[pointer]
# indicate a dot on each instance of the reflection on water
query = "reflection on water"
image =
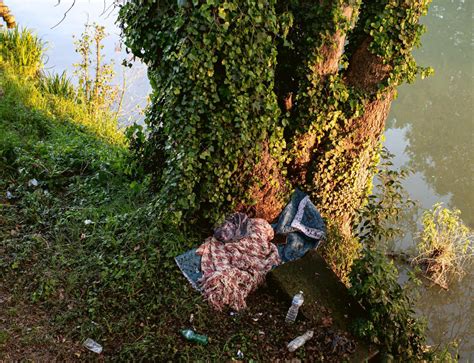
(431, 129)
(437, 113)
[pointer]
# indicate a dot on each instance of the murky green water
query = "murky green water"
(430, 128)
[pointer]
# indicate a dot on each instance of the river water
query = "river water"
(430, 128)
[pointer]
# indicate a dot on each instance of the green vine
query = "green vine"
(395, 30)
(212, 70)
(223, 74)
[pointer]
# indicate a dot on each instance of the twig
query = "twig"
(65, 14)
(119, 108)
(434, 282)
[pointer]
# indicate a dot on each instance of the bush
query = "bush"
(391, 320)
(444, 246)
(22, 49)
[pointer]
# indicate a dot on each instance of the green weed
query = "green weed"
(392, 323)
(445, 246)
(3, 337)
(57, 84)
(21, 49)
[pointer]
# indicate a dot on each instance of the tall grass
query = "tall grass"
(59, 107)
(445, 246)
(57, 84)
(22, 50)
(21, 54)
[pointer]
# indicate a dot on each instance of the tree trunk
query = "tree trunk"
(6, 15)
(239, 118)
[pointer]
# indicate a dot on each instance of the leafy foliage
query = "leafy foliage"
(219, 71)
(445, 246)
(378, 222)
(391, 322)
(212, 68)
(395, 29)
(22, 49)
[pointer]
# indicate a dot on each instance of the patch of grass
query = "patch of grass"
(57, 84)
(22, 49)
(4, 336)
(445, 246)
(12, 312)
(112, 279)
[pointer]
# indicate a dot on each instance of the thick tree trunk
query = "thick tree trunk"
(239, 118)
(365, 72)
(311, 168)
(326, 62)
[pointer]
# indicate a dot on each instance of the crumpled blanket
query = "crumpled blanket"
(300, 223)
(235, 265)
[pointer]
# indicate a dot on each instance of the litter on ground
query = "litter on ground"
(235, 260)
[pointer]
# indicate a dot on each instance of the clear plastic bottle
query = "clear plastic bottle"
(299, 341)
(93, 346)
(297, 301)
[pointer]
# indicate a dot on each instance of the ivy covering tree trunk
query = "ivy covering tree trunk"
(252, 98)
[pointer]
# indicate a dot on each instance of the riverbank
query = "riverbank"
(83, 258)
(85, 253)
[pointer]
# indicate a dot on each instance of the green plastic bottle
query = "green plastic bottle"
(193, 337)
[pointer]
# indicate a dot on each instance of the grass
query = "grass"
(57, 84)
(113, 280)
(22, 49)
(445, 246)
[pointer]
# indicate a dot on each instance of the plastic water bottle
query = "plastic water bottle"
(194, 337)
(299, 341)
(298, 300)
(92, 346)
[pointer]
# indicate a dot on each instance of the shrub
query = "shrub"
(391, 321)
(444, 246)
(22, 49)
(379, 222)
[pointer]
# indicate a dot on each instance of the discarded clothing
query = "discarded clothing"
(233, 269)
(232, 259)
(190, 265)
(301, 222)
